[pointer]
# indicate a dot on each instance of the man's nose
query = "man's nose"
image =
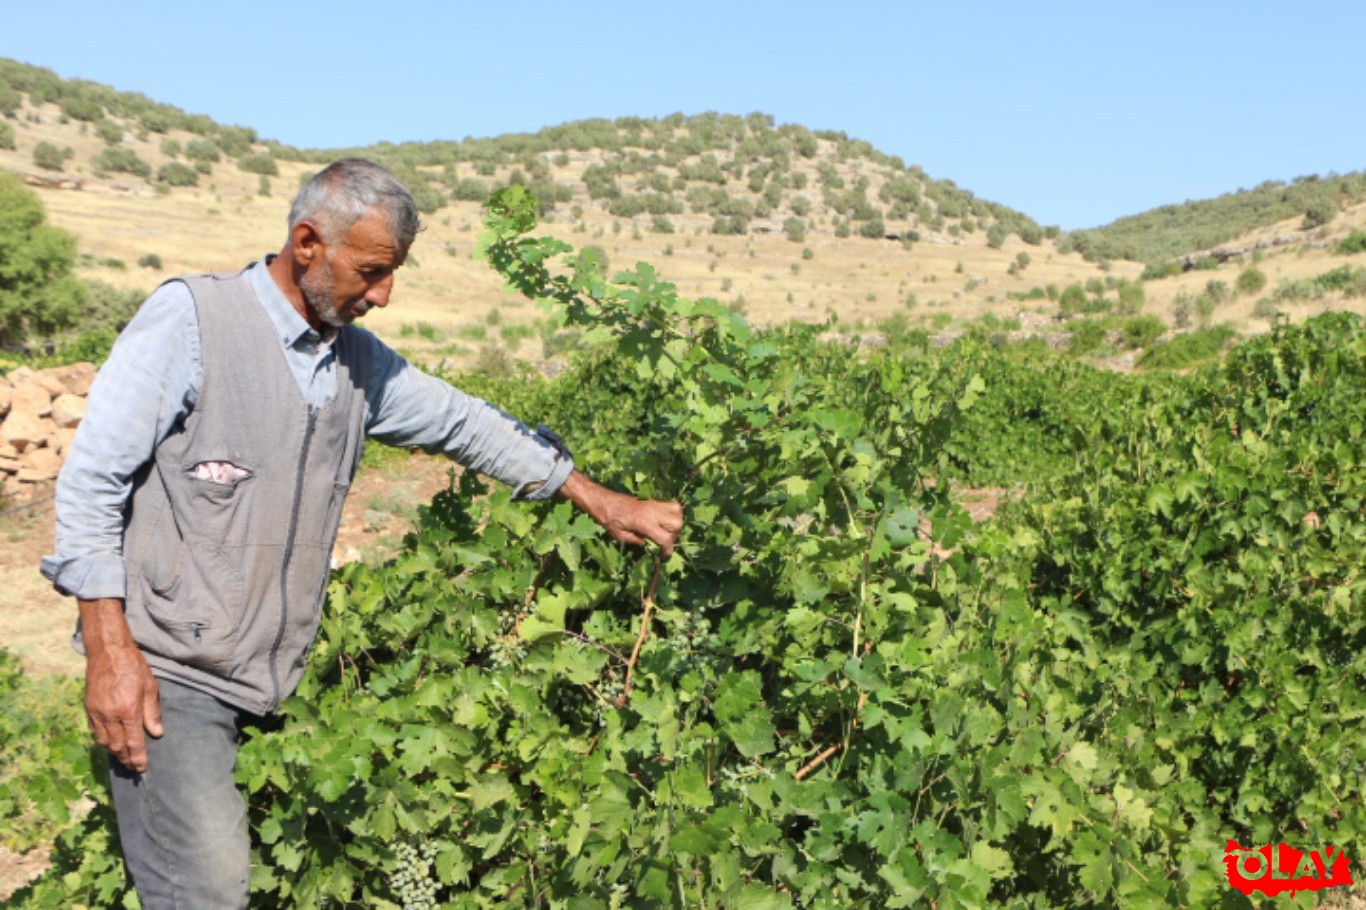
(378, 294)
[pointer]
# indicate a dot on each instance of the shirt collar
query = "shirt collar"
(290, 327)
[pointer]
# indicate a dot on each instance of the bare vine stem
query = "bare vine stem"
(646, 615)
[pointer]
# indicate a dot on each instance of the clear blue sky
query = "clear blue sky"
(1075, 113)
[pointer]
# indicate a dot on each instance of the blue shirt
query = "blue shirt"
(152, 381)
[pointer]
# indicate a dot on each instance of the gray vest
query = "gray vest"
(226, 581)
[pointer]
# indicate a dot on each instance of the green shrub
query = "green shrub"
(121, 161)
(1266, 309)
(1338, 279)
(1073, 300)
(174, 173)
(795, 229)
(235, 141)
(1187, 349)
(1158, 271)
(7, 137)
(202, 150)
(1087, 336)
(10, 100)
(1319, 214)
(49, 157)
(109, 131)
(1296, 290)
(150, 261)
(39, 293)
(1218, 291)
(78, 107)
(1183, 307)
(470, 189)
(1142, 331)
(1354, 242)
(873, 228)
(1251, 281)
(1131, 298)
(260, 163)
(730, 225)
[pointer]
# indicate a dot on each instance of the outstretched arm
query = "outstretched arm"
(626, 518)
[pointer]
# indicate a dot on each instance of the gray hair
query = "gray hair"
(345, 191)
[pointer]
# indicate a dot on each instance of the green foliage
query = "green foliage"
(1319, 213)
(174, 173)
(49, 157)
(109, 131)
(39, 294)
(873, 228)
(1187, 349)
(795, 229)
(45, 760)
(1131, 298)
(150, 261)
(202, 150)
(10, 100)
(1251, 280)
(1073, 300)
(121, 161)
(1141, 331)
(1158, 271)
(259, 163)
(1353, 243)
(7, 137)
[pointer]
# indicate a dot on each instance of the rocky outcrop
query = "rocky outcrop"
(39, 413)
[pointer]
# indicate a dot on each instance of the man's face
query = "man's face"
(355, 274)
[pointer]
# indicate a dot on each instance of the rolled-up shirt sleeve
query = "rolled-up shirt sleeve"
(150, 381)
(406, 407)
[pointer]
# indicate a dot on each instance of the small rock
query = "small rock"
(22, 430)
(68, 410)
(51, 383)
(31, 398)
(75, 378)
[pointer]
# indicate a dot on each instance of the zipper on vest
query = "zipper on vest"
(289, 556)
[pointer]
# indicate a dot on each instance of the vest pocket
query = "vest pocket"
(197, 618)
(213, 507)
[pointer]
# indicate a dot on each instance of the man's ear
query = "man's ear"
(307, 242)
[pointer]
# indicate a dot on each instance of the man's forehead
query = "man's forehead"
(371, 234)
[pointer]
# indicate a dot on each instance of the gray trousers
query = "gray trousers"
(183, 822)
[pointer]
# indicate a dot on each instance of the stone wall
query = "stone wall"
(39, 413)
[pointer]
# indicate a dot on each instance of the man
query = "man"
(197, 510)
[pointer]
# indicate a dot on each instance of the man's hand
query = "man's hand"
(122, 699)
(626, 518)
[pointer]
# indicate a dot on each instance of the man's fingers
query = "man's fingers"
(133, 755)
(151, 707)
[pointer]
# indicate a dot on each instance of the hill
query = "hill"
(776, 220)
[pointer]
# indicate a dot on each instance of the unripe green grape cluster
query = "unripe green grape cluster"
(412, 880)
